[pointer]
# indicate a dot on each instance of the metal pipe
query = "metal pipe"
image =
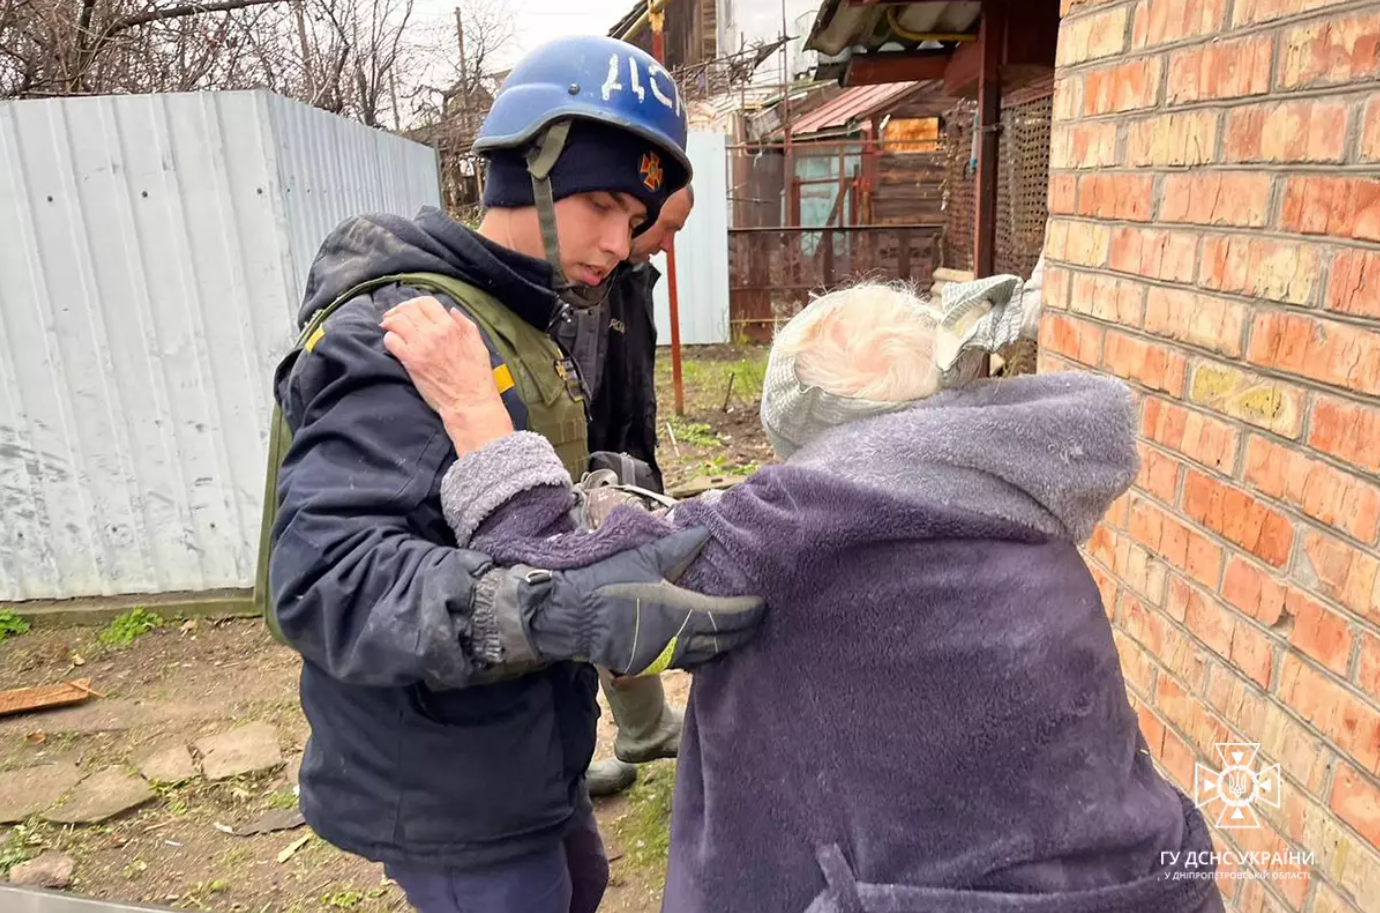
(658, 20)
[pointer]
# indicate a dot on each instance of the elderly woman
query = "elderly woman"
(933, 716)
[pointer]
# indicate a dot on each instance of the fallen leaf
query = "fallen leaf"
(78, 659)
(37, 737)
(188, 626)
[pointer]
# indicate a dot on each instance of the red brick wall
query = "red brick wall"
(1215, 208)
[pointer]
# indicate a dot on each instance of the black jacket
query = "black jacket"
(623, 414)
(409, 759)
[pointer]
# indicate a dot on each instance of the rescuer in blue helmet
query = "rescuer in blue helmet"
(452, 700)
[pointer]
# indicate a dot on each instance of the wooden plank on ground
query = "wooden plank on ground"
(41, 697)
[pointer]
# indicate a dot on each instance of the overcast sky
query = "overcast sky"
(537, 21)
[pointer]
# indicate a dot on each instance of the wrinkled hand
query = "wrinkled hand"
(447, 360)
(626, 614)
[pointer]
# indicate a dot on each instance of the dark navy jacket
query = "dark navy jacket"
(408, 759)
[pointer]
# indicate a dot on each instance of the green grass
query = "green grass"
(706, 379)
(282, 800)
(123, 630)
(693, 434)
(11, 625)
(11, 856)
(644, 832)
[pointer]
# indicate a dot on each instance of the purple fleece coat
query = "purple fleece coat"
(933, 716)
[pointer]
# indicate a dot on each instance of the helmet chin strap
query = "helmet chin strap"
(541, 158)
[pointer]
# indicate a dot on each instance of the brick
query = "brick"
(1199, 437)
(1175, 542)
(1054, 293)
(1177, 759)
(1116, 196)
(1091, 145)
(1346, 430)
(1209, 622)
(1368, 668)
(1045, 363)
(1159, 22)
(1153, 253)
(1354, 286)
(1088, 243)
(1201, 320)
(1332, 353)
(1068, 99)
(1294, 131)
(1117, 89)
(1259, 719)
(1260, 268)
(1186, 138)
(1113, 300)
(1159, 474)
(1343, 573)
(1150, 364)
(1216, 198)
(1337, 498)
(1370, 131)
(1106, 588)
(1136, 666)
(1222, 69)
(1291, 881)
(1187, 713)
(1356, 800)
(1151, 728)
(1322, 634)
(1253, 591)
(1093, 37)
(1349, 862)
(1239, 518)
(1340, 207)
(1251, 11)
(1072, 338)
(1330, 51)
(1335, 712)
(1063, 192)
(1266, 403)
(1138, 569)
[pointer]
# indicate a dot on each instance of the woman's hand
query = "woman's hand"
(449, 364)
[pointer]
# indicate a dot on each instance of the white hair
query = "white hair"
(870, 341)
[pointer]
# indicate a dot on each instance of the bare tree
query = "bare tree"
(53, 47)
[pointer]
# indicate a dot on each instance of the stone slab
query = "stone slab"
(100, 797)
(171, 765)
(279, 819)
(48, 870)
(30, 790)
(246, 750)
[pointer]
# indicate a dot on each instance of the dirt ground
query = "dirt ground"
(174, 686)
(179, 683)
(720, 435)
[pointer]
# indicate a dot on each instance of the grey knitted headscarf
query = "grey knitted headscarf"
(976, 318)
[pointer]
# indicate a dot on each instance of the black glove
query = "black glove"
(624, 613)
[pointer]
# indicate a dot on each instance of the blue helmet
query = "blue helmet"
(587, 77)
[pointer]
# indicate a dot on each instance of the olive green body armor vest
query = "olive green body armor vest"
(532, 362)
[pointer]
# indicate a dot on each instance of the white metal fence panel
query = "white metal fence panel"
(150, 271)
(701, 253)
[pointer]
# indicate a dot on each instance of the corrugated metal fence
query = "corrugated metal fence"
(701, 253)
(154, 252)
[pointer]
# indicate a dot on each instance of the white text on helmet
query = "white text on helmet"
(612, 84)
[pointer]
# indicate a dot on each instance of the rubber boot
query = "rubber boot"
(609, 777)
(647, 729)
